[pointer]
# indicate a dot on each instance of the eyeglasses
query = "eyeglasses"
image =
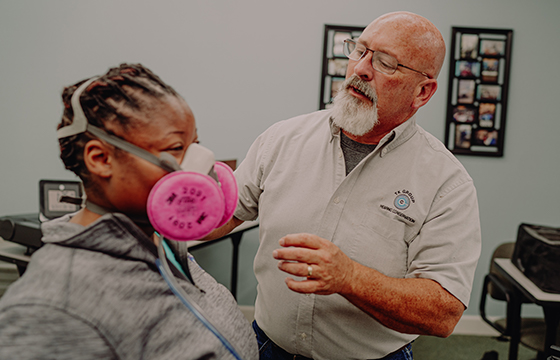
(384, 63)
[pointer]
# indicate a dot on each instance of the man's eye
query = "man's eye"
(359, 50)
(385, 64)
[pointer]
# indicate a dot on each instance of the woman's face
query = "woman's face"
(168, 126)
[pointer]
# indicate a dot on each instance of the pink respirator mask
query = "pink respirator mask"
(189, 203)
(195, 198)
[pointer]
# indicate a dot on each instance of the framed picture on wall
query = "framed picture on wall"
(334, 60)
(479, 70)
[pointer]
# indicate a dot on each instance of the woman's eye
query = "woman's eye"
(176, 148)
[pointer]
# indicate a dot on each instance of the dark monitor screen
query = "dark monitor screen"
(50, 193)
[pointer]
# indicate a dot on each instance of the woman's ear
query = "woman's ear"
(98, 159)
(424, 92)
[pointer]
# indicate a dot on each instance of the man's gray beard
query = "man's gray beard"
(354, 115)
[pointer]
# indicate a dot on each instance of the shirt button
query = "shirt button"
(303, 336)
(336, 200)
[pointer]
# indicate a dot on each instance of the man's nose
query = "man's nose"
(364, 68)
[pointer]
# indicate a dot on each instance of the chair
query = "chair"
(532, 330)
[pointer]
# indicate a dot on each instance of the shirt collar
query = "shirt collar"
(393, 139)
(335, 130)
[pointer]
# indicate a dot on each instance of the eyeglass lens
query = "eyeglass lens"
(380, 61)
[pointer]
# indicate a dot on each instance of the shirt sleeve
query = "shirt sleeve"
(249, 176)
(448, 246)
(43, 332)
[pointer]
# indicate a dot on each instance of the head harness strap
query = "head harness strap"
(80, 125)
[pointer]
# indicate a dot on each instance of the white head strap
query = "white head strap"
(197, 158)
(79, 124)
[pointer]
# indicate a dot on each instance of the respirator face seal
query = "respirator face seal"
(188, 203)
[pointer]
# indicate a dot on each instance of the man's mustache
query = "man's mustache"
(356, 82)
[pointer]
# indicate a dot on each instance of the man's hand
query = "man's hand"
(224, 230)
(413, 306)
(331, 270)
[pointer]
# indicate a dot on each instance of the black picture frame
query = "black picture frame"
(479, 70)
(334, 60)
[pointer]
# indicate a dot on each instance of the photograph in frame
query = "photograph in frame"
(338, 43)
(337, 67)
(492, 47)
(465, 91)
(489, 92)
(490, 68)
(469, 46)
(467, 69)
(486, 114)
(483, 137)
(463, 135)
(327, 91)
(464, 114)
(336, 85)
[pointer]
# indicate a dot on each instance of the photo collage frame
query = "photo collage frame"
(478, 91)
(334, 61)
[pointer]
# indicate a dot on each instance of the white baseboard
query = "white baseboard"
(474, 325)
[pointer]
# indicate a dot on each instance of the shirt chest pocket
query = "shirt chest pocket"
(380, 245)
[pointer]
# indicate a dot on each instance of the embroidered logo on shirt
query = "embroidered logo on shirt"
(403, 200)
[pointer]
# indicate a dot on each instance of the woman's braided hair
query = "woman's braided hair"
(128, 85)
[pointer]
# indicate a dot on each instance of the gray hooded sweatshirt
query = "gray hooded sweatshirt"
(95, 293)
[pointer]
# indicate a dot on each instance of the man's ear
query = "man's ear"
(424, 92)
(98, 159)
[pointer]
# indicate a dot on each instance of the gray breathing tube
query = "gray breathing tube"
(165, 272)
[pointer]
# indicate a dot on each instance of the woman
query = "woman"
(94, 291)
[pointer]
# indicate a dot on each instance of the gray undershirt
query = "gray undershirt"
(353, 151)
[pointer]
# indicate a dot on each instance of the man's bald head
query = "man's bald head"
(420, 43)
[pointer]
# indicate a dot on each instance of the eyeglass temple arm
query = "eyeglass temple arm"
(419, 72)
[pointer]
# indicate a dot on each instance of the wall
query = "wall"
(243, 65)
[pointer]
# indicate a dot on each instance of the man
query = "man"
(374, 218)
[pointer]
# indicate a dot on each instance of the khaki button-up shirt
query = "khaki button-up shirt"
(409, 210)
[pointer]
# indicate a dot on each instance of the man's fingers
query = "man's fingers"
(307, 287)
(298, 268)
(301, 240)
(296, 254)
(304, 287)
